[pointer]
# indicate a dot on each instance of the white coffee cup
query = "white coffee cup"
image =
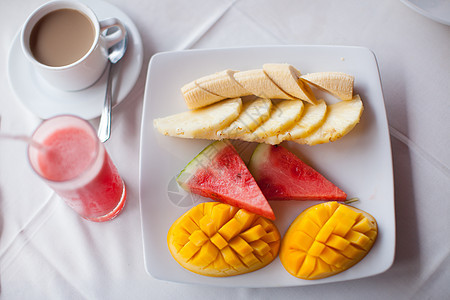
(85, 70)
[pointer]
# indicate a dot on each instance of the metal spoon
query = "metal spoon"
(116, 52)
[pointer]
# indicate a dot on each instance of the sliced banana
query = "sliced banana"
(222, 84)
(284, 114)
(264, 120)
(274, 81)
(259, 84)
(196, 97)
(340, 119)
(287, 78)
(337, 83)
(200, 123)
(313, 116)
(253, 114)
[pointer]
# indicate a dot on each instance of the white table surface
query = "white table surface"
(48, 252)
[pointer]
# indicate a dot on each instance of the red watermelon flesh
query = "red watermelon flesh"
(219, 173)
(281, 175)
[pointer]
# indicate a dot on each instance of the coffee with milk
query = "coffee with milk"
(62, 37)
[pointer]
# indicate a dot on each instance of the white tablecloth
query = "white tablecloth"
(48, 252)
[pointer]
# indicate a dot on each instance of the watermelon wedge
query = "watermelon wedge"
(281, 175)
(219, 173)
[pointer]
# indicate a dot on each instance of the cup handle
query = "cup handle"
(115, 37)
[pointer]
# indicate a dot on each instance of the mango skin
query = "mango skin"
(219, 240)
(327, 239)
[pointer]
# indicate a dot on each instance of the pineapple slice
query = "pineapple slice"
(337, 83)
(237, 242)
(283, 116)
(253, 114)
(313, 117)
(327, 239)
(200, 123)
(340, 119)
(287, 78)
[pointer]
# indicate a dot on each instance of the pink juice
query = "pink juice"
(76, 165)
(68, 153)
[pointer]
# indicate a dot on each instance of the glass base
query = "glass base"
(112, 214)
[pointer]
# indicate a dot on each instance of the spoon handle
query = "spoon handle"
(104, 128)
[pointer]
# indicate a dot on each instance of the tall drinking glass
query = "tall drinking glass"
(75, 164)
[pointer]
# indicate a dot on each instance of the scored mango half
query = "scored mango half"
(326, 239)
(217, 239)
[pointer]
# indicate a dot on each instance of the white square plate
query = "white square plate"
(360, 163)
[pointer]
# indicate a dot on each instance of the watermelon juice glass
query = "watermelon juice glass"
(75, 164)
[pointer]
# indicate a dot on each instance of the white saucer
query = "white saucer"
(46, 101)
(437, 10)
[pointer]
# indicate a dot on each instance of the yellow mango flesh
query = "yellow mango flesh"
(216, 239)
(326, 239)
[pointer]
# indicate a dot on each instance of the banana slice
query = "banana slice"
(313, 116)
(259, 84)
(253, 114)
(283, 116)
(200, 123)
(222, 84)
(340, 119)
(196, 97)
(287, 78)
(337, 83)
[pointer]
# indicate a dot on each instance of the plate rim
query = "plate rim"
(425, 12)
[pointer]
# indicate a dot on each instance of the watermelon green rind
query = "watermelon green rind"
(198, 160)
(219, 173)
(281, 175)
(259, 155)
